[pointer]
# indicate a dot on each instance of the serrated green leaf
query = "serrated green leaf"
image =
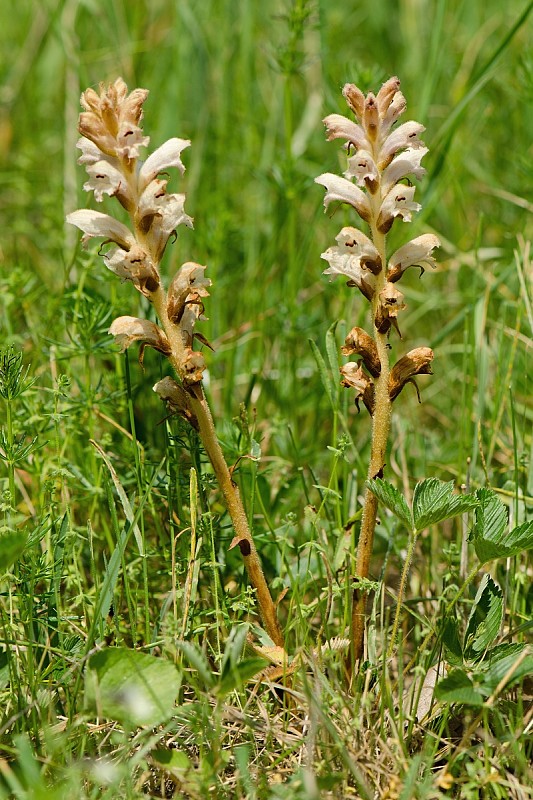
(392, 499)
(458, 688)
(134, 688)
(490, 536)
(485, 618)
(519, 539)
(489, 527)
(12, 546)
(433, 501)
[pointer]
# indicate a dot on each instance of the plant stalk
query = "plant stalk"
(381, 420)
(243, 535)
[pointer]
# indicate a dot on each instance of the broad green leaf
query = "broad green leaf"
(391, 497)
(327, 382)
(452, 641)
(198, 661)
(237, 675)
(512, 667)
(11, 548)
(490, 525)
(485, 618)
(519, 539)
(174, 761)
(433, 501)
(134, 688)
(458, 688)
(332, 350)
(234, 646)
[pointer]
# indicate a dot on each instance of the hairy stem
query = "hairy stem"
(243, 535)
(380, 433)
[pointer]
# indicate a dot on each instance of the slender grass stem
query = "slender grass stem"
(401, 591)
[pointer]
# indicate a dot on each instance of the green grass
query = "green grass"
(144, 530)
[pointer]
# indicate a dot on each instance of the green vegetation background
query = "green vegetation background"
(249, 82)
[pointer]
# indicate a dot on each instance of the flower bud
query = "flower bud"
(355, 99)
(111, 119)
(371, 117)
(390, 304)
(386, 94)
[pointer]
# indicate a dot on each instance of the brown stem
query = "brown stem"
(380, 433)
(243, 536)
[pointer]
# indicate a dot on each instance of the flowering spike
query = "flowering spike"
(382, 158)
(110, 145)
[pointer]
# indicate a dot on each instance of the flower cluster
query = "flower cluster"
(381, 156)
(110, 151)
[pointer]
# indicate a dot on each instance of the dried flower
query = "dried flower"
(415, 362)
(128, 330)
(354, 377)
(358, 342)
(177, 399)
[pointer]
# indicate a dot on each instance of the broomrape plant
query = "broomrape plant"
(110, 144)
(380, 158)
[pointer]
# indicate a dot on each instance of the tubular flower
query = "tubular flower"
(110, 146)
(356, 258)
(382, 158)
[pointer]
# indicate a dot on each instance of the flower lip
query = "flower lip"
(128, 330)
(95, 224)
(166, 156)
(401, 138)
(416, 253)
(344, 191)
(356, 258)
(362, 167)
(405, 163)
(397, 203)
(339, 127)
(105, 178)
(133, 265)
